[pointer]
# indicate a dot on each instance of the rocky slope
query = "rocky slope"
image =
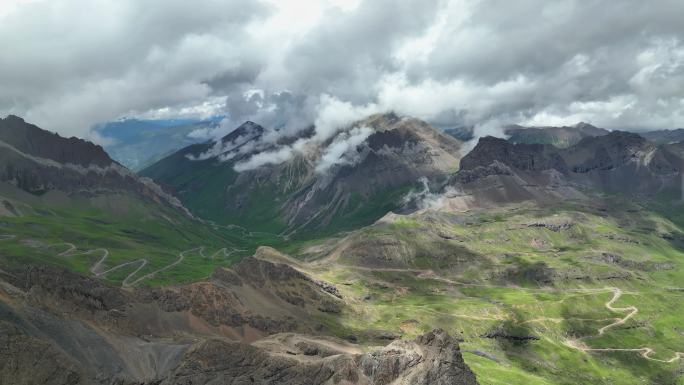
(498, 171)
(57, 327)
(39, 162)
(317, 188)
(433, 358)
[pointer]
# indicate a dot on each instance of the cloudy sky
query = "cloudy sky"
(68, 64)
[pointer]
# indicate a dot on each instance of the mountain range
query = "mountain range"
(368, 180)
(381, 253)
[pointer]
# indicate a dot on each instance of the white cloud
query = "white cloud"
(67, 64)
(334, 115)
(263, 158)
(342, 150)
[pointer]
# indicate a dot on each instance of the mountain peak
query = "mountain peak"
(12, 118)
(583, 125)
(248, 130)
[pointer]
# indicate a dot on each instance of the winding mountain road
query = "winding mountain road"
(96, 268)
(73, 251)
(224, 250)
(645, 352)
(181, 256)
(617, 293)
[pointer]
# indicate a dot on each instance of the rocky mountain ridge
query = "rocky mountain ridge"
(322, 186)
(497, 171)
(37, 162)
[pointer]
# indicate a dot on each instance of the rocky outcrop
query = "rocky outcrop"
(51, 284)
(433, 358)
(268, 296)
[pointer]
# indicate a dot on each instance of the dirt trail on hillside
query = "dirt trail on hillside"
(224, 250)
(73, 251)
(645, 352)
(97, 268)
(617, 293)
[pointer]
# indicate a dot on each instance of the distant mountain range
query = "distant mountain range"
(565, 136)
(397, 157)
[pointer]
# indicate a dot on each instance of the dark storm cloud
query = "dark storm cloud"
(67, 64)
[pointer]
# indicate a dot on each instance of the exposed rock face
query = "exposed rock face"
(624, 162)
(396, 155)
(73, 292)
(433, 358)
(498, 171)
(243, 134)
(593, 159)
(525, 157)
(608, 152)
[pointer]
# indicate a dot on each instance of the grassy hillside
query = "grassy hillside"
(142, 241)
(528, 289)
(532, 291)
